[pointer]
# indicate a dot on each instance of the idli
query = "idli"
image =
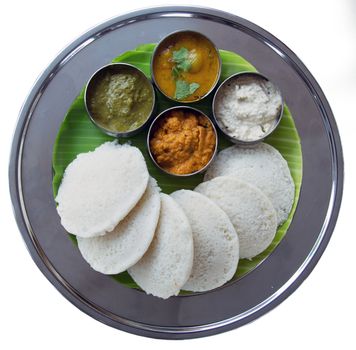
(216, 245)
(249, 210)
(262, 166)
(167, 264)
(100, 188)
(121, 248)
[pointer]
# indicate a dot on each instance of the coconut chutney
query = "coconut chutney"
(247, 107)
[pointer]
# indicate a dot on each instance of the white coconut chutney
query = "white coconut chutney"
(248, 107)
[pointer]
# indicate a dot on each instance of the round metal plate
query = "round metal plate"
(192, 316)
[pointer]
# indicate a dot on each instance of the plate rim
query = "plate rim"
(39, 256)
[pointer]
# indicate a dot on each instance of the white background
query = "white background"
(319, 314)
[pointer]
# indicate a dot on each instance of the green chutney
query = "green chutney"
(121, 101)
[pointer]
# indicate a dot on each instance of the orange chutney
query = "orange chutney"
(183, 142)
(203, 69)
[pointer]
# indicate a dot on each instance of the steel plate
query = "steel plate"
(30, 176)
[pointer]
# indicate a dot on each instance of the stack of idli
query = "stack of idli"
(107, 199)
(190, 240)
(112, 205)
(254, 186)
(263, 167)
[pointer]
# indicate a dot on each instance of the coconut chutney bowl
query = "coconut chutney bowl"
(35, 169)
(239, 114)
(119, 99)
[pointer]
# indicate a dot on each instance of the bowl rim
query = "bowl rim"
(218, 76)
(161, 115)
(222, 129)
(90, 114)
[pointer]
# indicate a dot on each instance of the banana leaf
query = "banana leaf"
(77, 134)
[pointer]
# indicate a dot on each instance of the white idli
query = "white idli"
(216, 245)
(262, 166)
(167, 264)
(121, 248)
(249, 210)
(100, 188)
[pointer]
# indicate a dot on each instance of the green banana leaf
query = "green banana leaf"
(77, 134)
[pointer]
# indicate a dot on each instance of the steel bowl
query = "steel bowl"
(163, 115)
(169, 37)
(221, 126)
(116, 68)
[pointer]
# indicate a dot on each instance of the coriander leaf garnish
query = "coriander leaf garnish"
(182, 59)
(175, 73)
(184, 89)
(180, 55)
(193, 87)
